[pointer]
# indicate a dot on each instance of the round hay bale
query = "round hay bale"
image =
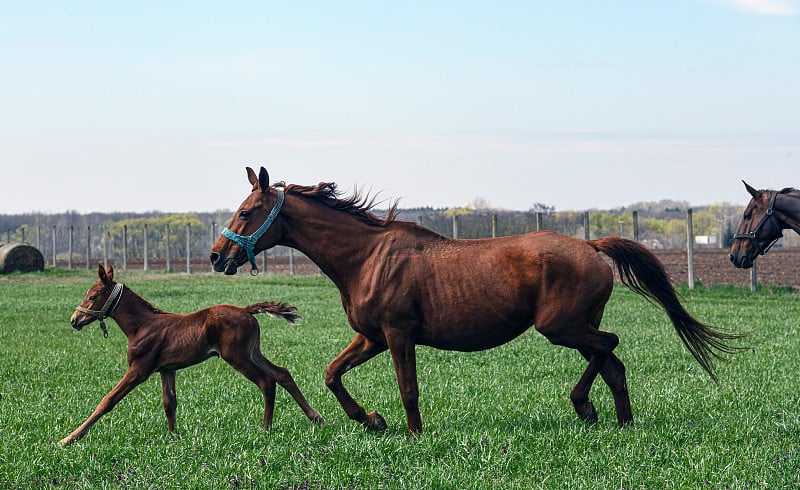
(20, 257)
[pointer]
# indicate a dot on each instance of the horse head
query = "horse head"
(758, 230)
(250, 231)
(99, 302)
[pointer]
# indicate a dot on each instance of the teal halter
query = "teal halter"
(248, 243)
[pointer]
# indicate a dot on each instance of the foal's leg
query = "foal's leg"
(169, 397)
(360, 350)
(255, 367)
(284, 378)
(129, 381)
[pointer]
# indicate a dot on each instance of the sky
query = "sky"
(160, 106)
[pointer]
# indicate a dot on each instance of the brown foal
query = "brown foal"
(165, 342)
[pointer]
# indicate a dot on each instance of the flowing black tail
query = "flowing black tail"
(641, 271)
(276, 309)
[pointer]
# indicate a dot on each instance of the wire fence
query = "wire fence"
(184, 247)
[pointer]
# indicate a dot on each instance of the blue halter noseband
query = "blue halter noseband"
(248, 243)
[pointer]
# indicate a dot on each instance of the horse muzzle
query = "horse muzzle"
(227, 266)
(79, 320)
(741, 261)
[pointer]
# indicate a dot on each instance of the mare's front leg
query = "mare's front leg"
(129, 381)
(169, 398)
(404, 357)
(360, 350)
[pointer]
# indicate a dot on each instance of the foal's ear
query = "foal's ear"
(105, 275)
(753, 192)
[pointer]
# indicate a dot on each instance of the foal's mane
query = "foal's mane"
(358, 205)
(146, 304)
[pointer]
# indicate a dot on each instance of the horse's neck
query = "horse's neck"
(790, 208)
(337, 242)
(132, 312)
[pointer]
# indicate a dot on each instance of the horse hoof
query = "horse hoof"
(590, 414)
(376, 422)
(317, 419)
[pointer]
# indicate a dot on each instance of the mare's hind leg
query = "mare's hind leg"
(613, 373)
(169, 398)
(594, 345)
(360, 350)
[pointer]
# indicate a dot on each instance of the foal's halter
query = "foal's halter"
(248, 243)
(753, 235)
(105, 311)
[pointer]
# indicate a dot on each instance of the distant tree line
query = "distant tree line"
(660, 225)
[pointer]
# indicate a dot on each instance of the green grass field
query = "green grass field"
(495, 419)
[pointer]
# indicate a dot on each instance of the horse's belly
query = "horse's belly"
(470, 338)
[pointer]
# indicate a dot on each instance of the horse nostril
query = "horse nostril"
(214, 257)
(733, 259)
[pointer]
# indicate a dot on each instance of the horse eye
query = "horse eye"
(244, 214)
(93, 297)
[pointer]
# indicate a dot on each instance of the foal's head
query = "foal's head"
(100, 300)
(251, 229)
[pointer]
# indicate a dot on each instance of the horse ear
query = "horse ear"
(263, 179)
(110, 272)
(753, 192)
(251, 176)
(101, 273)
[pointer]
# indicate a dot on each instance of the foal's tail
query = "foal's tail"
(641, 271)
(275, 309)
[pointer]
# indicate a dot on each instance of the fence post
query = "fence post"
(23, 235)
(188, 248)
(455, 226)
(104, 238)
(8, 235)
(167, 248)
(753, 278)
(264, 261)
(88, 246)
(39, 237)
(291, 261)
(124, 247)
(54, 245)
(636, 226)
(539, 221)
(690, 247)
(494, 226)
(71, 237)
(145, 267)
(586, 234)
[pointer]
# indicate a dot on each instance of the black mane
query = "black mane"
(357, 205)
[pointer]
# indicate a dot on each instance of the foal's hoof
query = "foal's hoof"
(317, 419)
(376, 422)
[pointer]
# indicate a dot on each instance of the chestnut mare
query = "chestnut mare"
(166, 342)
(403, 285)
(772, 212)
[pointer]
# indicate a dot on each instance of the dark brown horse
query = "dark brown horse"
(165, 342)
(403, 285)
(766, 216)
